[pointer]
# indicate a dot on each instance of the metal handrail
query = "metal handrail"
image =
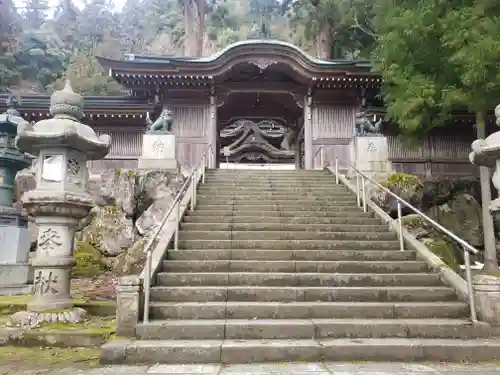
(192, 178)
(467, 248)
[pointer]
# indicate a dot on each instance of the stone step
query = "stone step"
(293, 266)
(315, 203)
(275, 206)
(278, 196)
(285, 235)
(248, 190)
(282, 227)
(253, 351)
(297, 294)
(296, 329)
(252, 200)
(364, 219)
(245, 175)
(267, 172)
(289, 244)
(285, 207)
(308, 309)
(277, 185)
(253, 181)
(242, 216)
(297, 255)
(303, 279)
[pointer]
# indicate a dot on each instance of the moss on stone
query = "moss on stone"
(49, 356)
(414, 221)
(12, 304)
(88, 261)
(404, 181)
(93, 326)
(444, 250)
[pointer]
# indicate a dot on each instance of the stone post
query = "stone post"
(486, 153)
(63, 146)
(308, 134)
(487, 293)
(14, 236)
(127, 305)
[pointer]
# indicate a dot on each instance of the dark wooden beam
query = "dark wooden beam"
(268, 87)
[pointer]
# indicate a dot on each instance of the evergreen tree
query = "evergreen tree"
(436, 56)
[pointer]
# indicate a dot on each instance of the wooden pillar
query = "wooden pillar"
(308, 139)
(212, 131)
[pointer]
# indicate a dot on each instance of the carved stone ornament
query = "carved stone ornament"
(263, 64)
(371, 147)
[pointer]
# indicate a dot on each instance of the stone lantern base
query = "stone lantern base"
(159, 152)
(487, 293)
(15, 240)
(370, 155)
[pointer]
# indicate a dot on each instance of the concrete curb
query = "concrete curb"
(446, 275)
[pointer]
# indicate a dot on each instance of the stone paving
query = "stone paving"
(273, 369)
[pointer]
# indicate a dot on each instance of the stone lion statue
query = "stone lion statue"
(365, 127)
(162, 124)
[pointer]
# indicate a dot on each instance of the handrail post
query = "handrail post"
(468, 276)
(193, 198)
(363, 189)
(357, 190)
(147, 286)
(204, 162)
(400, 231)
(322, 157)
(336, 170)
(177, 225)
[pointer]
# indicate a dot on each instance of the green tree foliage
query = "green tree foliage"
(87, 77)
(55, 43)
(435, 56)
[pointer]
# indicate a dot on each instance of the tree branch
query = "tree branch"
(362, 28)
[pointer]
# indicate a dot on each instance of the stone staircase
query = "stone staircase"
(283, 266)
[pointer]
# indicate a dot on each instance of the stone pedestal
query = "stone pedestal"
(53, 263)
(159, 152)
(487, 296)
(370, 155)
(15, 241)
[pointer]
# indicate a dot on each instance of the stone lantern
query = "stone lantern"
(14, 236)
(486, 152)
(63, 146)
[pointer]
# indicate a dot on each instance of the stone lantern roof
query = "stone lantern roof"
(64, 130)
(10, 121)
(487, 151)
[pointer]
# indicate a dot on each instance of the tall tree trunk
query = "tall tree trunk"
(490, 251)
(194, 21)
(324, 43)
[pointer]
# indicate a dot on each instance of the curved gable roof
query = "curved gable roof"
(248, 49)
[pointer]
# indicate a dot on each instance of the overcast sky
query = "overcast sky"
(53, 3)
